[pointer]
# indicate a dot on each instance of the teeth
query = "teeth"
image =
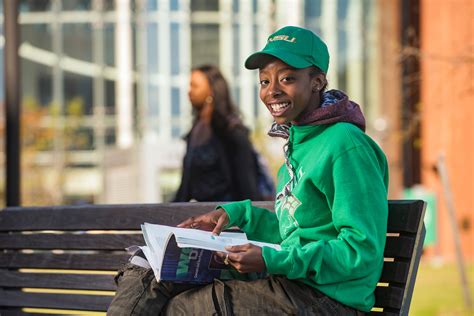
(279, 106)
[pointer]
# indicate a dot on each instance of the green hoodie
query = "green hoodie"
(332, 226)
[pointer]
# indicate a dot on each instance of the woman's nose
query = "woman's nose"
(274, 89)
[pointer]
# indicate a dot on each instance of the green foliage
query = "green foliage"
(54, 109)
(35, 134)
(75, 107)
(54, 129)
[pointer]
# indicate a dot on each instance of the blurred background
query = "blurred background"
(103, 89)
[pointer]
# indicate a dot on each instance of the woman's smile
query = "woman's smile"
(278, 109)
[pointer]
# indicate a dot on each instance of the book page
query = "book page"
(194, 238)
(153, 259)
(156, 239)
(217, 243)
(156, 236)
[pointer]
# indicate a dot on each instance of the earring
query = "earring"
(209, 99)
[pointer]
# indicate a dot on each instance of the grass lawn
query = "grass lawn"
(438, 290)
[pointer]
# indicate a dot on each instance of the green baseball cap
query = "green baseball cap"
(296, 46)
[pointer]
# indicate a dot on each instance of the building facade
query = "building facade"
(447, 113)
(104, 85)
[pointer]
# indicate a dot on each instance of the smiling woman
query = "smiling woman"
(331, 231)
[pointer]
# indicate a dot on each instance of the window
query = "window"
(110, 136)
(205, 44)
(109, 5)
(175, 40)
(151, 5)
(175, 99)
(38, 35)
(77, 94)
(109, 97)
(312, 8)
(79, 138)
(236, 49)
(174, 5)
(152, 47)
(77, 41)
(153, 98)
(33, 5)
(36, 82)
(79, 5)
(235, 6)
(312, 15)
(204, 5)
(109, 45)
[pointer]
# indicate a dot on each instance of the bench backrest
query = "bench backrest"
(65, 257)
(403, 248)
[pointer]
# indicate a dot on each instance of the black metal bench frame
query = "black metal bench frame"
(39, 246)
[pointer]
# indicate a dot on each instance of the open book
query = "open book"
(188, 255)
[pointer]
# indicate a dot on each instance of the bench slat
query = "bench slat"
(399, 247)
(394, 272)
(103, 217)
(388, 297)
(70, 241)
(383, 313)
(60, 301)
(404, 215)
(9, 279)
(63, 261)
(19, 312)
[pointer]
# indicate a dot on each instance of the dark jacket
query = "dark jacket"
(221, 169)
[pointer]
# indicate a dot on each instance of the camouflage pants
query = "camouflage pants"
(138, 293)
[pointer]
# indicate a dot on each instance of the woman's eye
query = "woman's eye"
(288, 78)
(263, 82)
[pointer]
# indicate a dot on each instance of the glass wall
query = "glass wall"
(166, 66)
(104, 84)
(350, 30)
(68, 86)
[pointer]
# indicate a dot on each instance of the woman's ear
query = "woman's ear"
(209, 99)
(318, 82)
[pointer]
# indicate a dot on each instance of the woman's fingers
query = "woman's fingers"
(246, 258)
(187, 223)
(221, 222)
(204, 222)
(239, 248)
(213, 221)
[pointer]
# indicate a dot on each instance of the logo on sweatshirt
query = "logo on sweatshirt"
(291, 203)
(287, 201)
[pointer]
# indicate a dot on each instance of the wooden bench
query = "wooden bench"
(64, 258)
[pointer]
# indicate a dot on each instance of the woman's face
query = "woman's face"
(288, 92)
(199, 89)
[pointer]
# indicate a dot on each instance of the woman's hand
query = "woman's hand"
(214, 221)
(244, 258)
